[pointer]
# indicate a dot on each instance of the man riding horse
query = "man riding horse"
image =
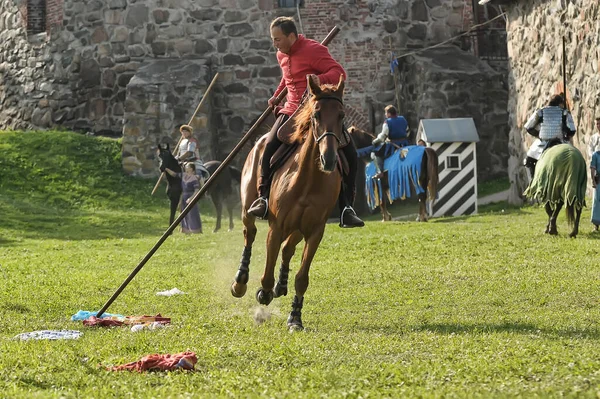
(550, 122)
(299, 57)
(395, 128)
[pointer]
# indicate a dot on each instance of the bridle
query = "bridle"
(314, 120)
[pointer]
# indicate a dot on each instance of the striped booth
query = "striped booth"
(454, 141)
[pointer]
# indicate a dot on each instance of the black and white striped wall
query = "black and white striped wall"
(457, 188)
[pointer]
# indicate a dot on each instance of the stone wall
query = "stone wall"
(446, 82)
(77, 77)
(535, 32)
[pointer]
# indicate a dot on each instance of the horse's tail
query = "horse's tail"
(235, 173)
(432, 173)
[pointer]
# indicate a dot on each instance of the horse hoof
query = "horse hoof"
(553, 232)
(573, 235)
(295, 326)
(230, 229)
(279, 290)
(264, 297)
(238, 290)
(216, 229)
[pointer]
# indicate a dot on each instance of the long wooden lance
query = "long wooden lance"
(206, 186)
(204, 97)
(564, 72)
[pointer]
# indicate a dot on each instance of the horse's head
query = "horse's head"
(326, 120)
(165, 157)
(360, 137)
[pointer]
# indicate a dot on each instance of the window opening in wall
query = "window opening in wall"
(290, 3)
(36, 16)
(452, 162)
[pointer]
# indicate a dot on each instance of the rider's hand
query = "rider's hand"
(376, 142)
(271, 102)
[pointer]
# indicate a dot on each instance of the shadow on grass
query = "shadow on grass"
(528, 329)
(34, 220)
(498, 208)
(5, 241)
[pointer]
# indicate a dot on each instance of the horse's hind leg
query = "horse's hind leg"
(576, 223)
(552, 216)
(230, 206)
(294, 321)
(422, 207)
(217, 201)
(264, 295)
(239, 286)
(289, 248)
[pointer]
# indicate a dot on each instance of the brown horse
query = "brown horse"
(428, 176)
(304, 191)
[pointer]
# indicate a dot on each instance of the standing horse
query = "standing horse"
(174, 188)
(303, 193)
(225, 189)
(428, 175)
(560, 178)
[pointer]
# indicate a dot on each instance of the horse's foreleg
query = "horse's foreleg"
(289, 248)
(576, 224)
(239, 286)
(294, 321)
(217, 201)
(264, 295)
(174, 205)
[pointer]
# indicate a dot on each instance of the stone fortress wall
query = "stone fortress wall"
(139, 68)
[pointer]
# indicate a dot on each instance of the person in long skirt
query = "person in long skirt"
(191, 185)
(594, 167)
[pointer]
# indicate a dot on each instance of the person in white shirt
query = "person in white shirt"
(594, 144)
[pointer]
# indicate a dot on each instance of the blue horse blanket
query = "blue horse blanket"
(404, 168)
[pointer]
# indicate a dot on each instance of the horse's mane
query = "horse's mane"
(303, 118)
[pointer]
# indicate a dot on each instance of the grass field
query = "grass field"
(482, 306)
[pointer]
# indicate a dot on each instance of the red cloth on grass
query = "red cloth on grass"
(129, 320)
(155, 362)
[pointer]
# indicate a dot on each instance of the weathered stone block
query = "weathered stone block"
(270, 72)
(418, 32)
(233, 59)
(90, 73)
(241, 29)
(203, 46)
(234, 16)
(160, 16)
(206, 15)
(419, 11)
(236, 88)
(113, 17)
(137, 15)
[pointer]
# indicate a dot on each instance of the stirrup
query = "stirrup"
(359, 222)
(257, 202)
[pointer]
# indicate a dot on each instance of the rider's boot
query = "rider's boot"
(530, 165)
(260, 206)
(348, 217)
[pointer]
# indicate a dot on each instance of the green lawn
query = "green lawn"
(458, 307)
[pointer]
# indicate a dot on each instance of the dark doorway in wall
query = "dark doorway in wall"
(36, 16)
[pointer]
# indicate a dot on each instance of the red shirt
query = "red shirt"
(306, 57)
